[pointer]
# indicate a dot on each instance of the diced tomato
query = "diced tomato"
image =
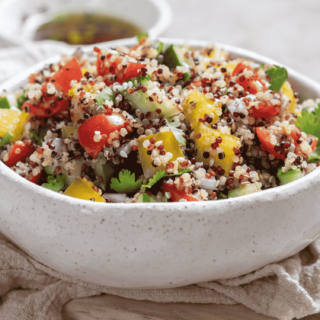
(61, 80)
(105, 67)
(176, 194)
(36, 179)
(264, 110)
(252, 84)
(19, 153)
(105, 124)
(263, 134)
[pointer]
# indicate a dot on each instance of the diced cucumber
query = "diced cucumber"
(4, 103)
(104, 170)
(290, 175)
(174, 57)
(75, 173)
(140, 100)
(242, 191)
(49, 170)
(143, 197)
(68, 132)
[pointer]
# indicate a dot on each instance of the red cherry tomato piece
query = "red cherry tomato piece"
(36, 179)
(264, 111)
(176, 194)
(106, 124)
(252, 84)
(61, 80)
(105, 67)
(19, 153)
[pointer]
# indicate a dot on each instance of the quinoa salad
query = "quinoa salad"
(156, 123)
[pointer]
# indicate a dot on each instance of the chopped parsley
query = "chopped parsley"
(308, 123)
(6, 138)
(4, 103)
(55, 184)
(261, 65)
(178, 133)
(105, 94)
(42, 134)
(126, 183)
(278, 75)
(161, 174)
(142, 35)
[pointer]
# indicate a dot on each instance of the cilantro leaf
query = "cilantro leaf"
(308, 122)
(278, 75)
(4, 103)
(105, 94)
(159, 46)
(178, 133)
(146, 198)
(55, 184)
(5, 139)
(161, 174)
(127, 182)
(21, 100)
(142, 35)
(157, 177)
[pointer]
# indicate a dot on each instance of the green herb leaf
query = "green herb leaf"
(308, 122)
(127, 182)
(178, 133)
(142, 35)
(161, 174)
(146, 198)
(159, 46)
(4, 103)
(42, 133)
(261, 65)
(105, 94)
(315, 156)
(6, 138)
(21, 100)
(278, 75)
(157, 177)
(165, 199)
(55, 184)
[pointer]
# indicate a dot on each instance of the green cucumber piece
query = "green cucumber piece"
(49, 170)
(140, 100)
(174, 57)
(143, 197)
(242, 191)
(76, 173)
(290, 175)
(4, 103)
(105, 170)
(21, 100)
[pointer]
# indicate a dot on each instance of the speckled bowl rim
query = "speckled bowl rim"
(258, 197)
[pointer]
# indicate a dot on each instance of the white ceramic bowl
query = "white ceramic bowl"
(161, 245)
(19, 19)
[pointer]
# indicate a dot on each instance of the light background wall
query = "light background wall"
(287, 31)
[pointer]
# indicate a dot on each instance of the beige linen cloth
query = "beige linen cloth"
(284, 290)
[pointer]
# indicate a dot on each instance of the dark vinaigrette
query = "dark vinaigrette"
(86, 28)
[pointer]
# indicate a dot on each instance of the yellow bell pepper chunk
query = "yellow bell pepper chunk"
(171, 145)
(87, 88)
(12, 121)
(218, 54)
(287, 90)
(84, 70)
(68, 132)
(82, 189)
(200, 106)
(208, 137)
